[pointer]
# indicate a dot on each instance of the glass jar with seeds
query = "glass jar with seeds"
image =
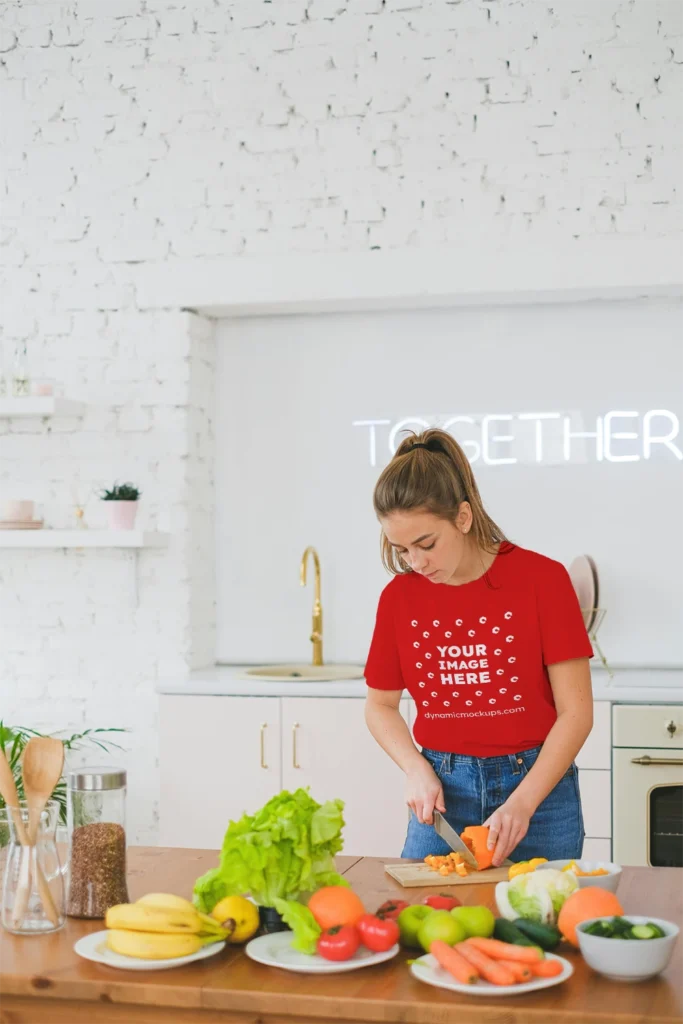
(96, 810)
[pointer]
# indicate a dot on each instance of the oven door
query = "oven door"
(647, 807)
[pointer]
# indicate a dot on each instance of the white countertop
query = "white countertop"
(629, 685)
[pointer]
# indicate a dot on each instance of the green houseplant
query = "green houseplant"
(13, 739)
(122, 505)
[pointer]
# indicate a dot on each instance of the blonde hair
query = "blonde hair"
(436, 478)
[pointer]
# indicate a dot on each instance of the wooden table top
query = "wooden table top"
(42, 979)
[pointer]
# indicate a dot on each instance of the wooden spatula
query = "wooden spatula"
(41, 765)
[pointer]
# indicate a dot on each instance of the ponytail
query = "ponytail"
(431, 472)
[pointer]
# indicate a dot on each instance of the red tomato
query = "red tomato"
(378, 933)
(339, 943)
(441, 902)
(391, 909)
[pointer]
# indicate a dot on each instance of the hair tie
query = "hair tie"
(419, 444)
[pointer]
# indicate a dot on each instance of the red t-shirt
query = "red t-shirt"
(474, 657)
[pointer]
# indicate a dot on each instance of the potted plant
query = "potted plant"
(14, 738)
(123, 507)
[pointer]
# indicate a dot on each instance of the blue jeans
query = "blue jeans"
(474, 787)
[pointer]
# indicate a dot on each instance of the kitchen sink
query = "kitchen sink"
(306, 673)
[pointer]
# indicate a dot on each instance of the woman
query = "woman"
(490, 642)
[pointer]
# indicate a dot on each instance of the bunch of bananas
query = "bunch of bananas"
(161, 926)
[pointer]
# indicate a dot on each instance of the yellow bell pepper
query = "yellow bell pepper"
(524, 867)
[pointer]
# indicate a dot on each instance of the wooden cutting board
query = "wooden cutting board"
(410, 876)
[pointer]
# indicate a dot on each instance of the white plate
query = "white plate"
(93, 947)
(276, 951)
(584, 577)
(427, 970)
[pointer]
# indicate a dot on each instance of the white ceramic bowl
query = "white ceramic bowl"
(609, 881)
(628, 959)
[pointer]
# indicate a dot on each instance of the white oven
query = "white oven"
(647, 784)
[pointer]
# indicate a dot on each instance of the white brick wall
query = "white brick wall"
(150, 131)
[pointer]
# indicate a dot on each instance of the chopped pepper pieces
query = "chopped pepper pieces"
(524, 867)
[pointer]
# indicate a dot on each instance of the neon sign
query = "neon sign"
(548, 438)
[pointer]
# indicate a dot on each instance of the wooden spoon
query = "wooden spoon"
(41, 764)
(9, 794)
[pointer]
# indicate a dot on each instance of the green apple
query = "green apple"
(475, 920)
(440, 925)
(409, 921)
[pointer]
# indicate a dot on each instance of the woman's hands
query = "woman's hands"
(507, 827)
(424, 791)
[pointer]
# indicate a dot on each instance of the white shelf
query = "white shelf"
(40, 406)
(82, 539)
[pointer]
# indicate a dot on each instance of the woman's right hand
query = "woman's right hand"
(424, 792)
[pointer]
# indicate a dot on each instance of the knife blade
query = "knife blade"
(453, 839)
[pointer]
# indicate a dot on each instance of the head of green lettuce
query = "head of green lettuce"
(283, 851)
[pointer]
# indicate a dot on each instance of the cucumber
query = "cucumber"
(544, 935)
(646, 931)
(506, 931)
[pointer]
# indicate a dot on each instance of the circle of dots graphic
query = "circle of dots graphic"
(414, 622)
(499, 671)
(508, 615)
(455, 694)
(422, 685)
(430, 675)
(468, 703)
(496, 629)
(470, 632)
(425, 703)
(427, 655)
(448, 635)
(446, 703)
(512, 660)
(497, 651)
(416, 643)
(514, 679)
(418, 664)
(434, 693)
(492, 700)
(425, 634)
(458, 622)
(478, 693)
(509, 639)
(502, 690)
(436, 623)
(482, 619)
(518, 696)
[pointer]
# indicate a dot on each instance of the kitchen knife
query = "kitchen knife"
(453, 839)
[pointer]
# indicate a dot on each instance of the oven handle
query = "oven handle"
(646, 759)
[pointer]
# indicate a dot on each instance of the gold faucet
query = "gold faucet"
(317, 627)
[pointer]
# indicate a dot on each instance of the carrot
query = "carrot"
(522, 972)
(492, 970)
(451, 961)
(506, 951)
(546, 969)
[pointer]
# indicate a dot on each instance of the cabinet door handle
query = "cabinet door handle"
(295, 762)
(646, 759)
(264, 726)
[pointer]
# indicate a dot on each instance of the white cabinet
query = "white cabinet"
(595, 782)
(327, 746)
(220, 757)
(596, 800)
(597, 849)
(597, 750)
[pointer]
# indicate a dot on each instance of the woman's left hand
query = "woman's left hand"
(507, 827)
